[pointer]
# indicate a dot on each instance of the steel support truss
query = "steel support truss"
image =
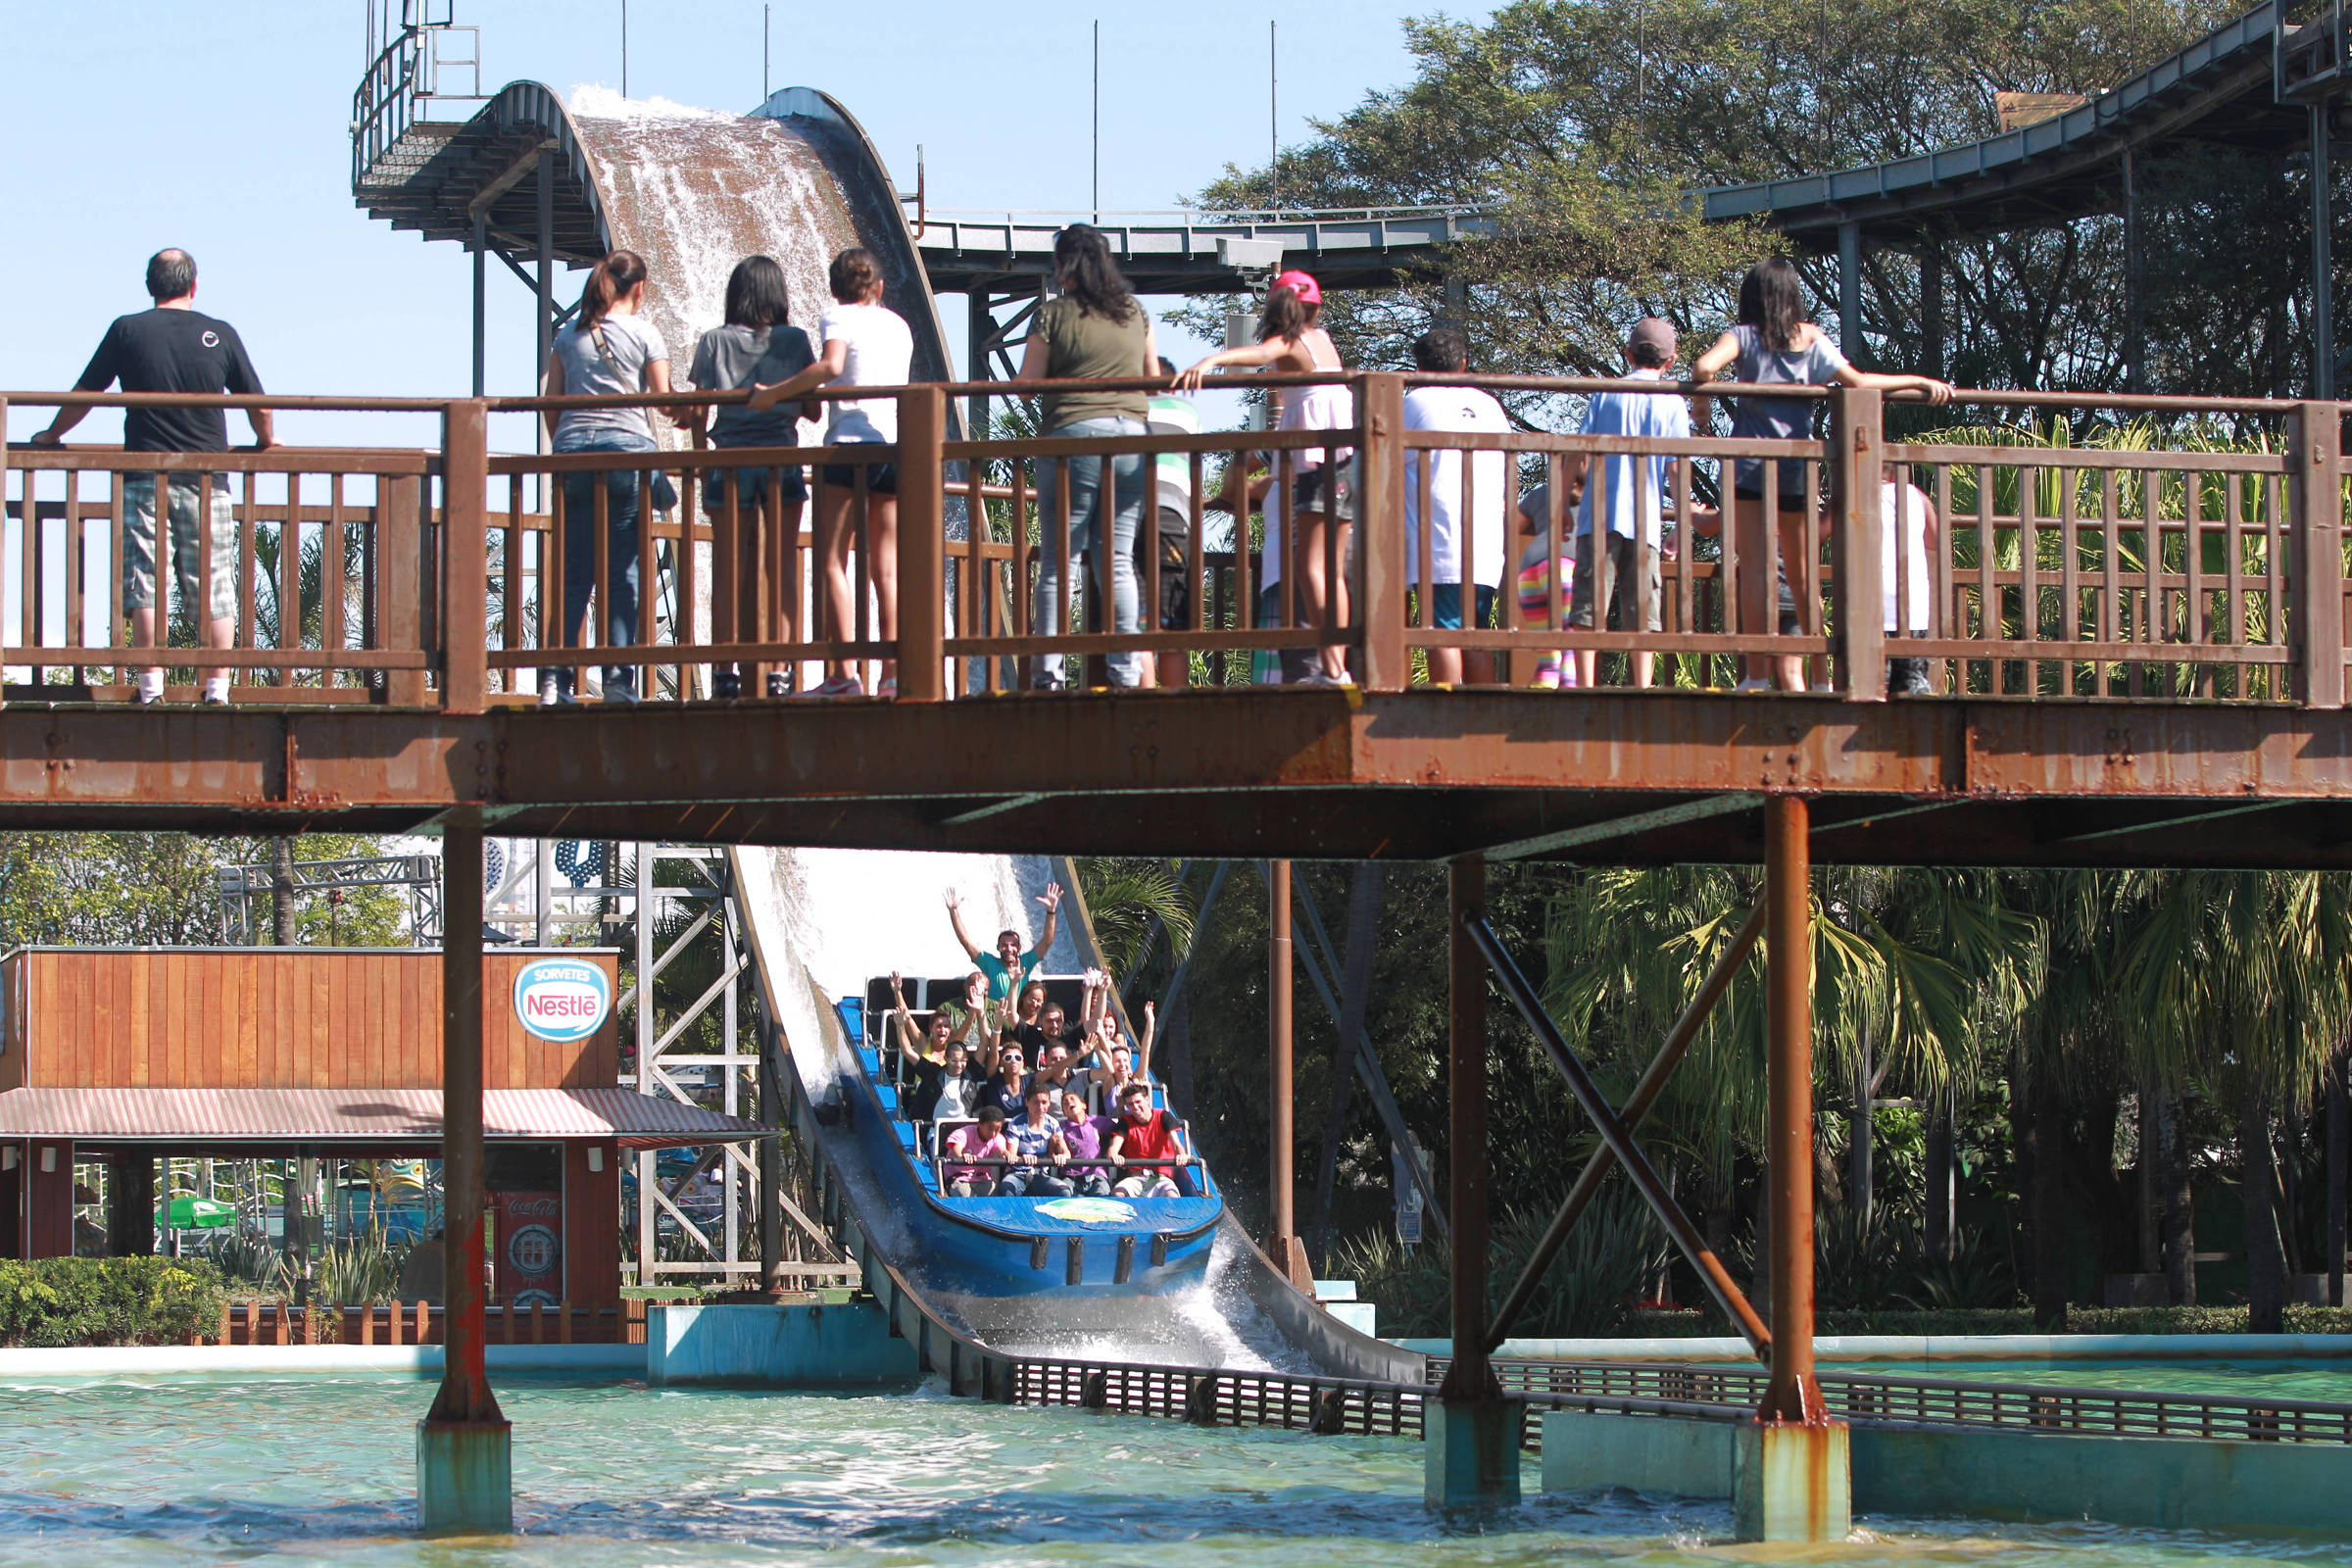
(691, 921)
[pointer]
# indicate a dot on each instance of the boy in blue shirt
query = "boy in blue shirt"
(1623, 554)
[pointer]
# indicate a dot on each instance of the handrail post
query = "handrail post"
(922, 547)
(1857, 465)
(2315, 479)
(465, 543)
(1380, 533)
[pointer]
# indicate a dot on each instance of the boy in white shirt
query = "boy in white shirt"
(1912, 529)
(1475, 497)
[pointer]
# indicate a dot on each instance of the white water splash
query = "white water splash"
(597, 101)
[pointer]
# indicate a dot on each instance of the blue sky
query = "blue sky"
(223, 126)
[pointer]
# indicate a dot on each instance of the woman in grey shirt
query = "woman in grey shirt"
(758, 344)
(1773, 344)
(609, 350)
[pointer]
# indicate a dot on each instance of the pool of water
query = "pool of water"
(2232, 1380)
(283, 1472)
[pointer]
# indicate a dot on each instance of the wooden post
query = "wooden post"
(465, 542)
(1857, 462)
(1283, 1222)
(2315, 473)
(1380, 534)
(922, 545)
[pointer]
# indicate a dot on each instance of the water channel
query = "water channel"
(287, 1471)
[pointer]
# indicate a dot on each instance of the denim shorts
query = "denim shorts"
(881, 478)
(1446, 606)
(752, 485)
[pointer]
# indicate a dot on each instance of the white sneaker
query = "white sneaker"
(1753, 683)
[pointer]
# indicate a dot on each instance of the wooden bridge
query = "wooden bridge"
(2124, 643)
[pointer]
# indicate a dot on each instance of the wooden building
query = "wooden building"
(122, 1055)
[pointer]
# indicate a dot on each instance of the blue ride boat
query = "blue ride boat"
(1075, 1247)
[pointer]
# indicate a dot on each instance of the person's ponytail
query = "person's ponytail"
(618, 274)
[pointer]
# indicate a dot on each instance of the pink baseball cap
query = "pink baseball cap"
(1309, 291)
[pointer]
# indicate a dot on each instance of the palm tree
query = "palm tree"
(2242, 976)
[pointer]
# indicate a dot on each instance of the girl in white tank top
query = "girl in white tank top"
(1289, 340)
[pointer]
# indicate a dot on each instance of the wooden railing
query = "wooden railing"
(257, 1322)
(435, 576)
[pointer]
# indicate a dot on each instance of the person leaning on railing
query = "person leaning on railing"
(1290, 340)
(173, 348)
(758, 343)
(1096, 330)
(609, 349)
(1772, 343)
(864, 343)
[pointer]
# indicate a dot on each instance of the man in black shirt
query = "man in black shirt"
(173, 348)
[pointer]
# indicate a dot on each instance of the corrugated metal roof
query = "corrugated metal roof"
(369, 1115)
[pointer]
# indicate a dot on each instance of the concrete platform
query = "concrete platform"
(2166, 1483)
(847, 1345)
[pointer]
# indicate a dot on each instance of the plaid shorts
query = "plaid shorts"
(187, 544)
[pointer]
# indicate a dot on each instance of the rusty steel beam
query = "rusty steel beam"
(1794, 1394)
(1469, 1175)
(1636, 1105)
(1729, 1297)
(1621, 778)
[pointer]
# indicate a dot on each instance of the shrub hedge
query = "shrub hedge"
(54, 1302)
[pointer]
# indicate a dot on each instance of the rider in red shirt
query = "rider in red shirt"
(1142, 1135)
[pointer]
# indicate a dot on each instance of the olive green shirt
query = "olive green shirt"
(1084, 347)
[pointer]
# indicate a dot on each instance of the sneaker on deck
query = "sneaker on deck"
(840, 686)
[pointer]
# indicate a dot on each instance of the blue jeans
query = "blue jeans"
(620, 609)
(1127, 480)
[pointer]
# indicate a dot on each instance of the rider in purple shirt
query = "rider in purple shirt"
(1086, 1137)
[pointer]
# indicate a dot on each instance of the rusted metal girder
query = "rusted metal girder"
(1629, 777)
(1469, 1175)
(1636, 1105)
(1794, 1394)
(1645, 1178)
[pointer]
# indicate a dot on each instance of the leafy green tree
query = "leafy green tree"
(162, 890)
(1589, 123)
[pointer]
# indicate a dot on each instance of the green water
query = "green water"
(281, 1471)
(2230, 1380)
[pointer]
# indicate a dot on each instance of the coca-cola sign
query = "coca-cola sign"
(562, 999)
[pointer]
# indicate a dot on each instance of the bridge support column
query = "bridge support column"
(1792, 1479)
(1850, 292)
(1282, 1237)
(1470, 1433)
(465, 1445)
